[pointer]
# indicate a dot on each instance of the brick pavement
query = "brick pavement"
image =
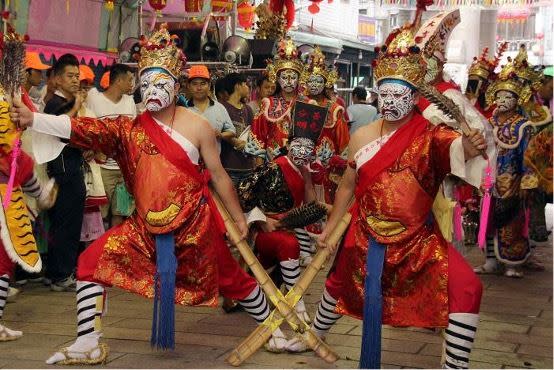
(515, 331)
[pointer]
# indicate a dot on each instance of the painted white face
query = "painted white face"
(432, 69)
(157, 89)
(505, 101)
(288, 80)
(301, 151)
(395, 101)
(315, 85)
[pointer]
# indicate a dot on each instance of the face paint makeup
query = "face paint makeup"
(505, 101)
(315, 85)
(288, 80)
(301, 151)
(395, 101)
(157, 89)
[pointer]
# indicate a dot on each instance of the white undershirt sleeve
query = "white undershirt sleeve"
(46, 132)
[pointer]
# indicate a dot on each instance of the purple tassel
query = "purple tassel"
(485, 208)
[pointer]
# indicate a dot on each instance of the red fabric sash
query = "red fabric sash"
(384, 159)
(391, 150)
(294, 180)
(177, 156)
(442, 87)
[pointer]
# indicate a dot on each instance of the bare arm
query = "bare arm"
(220, 180)
(309, 191)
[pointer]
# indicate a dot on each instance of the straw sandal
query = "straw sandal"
(297, 345)
(7, 335)
(513, 273)
(88, 359)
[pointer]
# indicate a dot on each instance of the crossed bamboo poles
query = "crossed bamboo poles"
(283, 304)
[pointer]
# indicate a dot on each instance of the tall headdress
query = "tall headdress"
(400, 58)
(433, 35)
(483, 67)
(286, 58)
(315, 65)
(161, 51)
(517, 76)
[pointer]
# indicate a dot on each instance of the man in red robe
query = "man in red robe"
(172, 248)
(394, 267)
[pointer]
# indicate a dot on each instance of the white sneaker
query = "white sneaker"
(66, 285)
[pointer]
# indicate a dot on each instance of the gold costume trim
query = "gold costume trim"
(164, 217)
(385, 228)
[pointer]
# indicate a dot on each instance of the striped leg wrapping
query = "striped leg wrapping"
(458, 337)
(290, 270)
(325, 316)
(4, 286)
(256, 305)
(90, 304)
(306, 245)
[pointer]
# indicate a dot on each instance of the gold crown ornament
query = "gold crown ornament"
(286, 58)
(400, 59)
(315, 66)
(332, 77)
(161, 51)
(518, 77)
(483, 67)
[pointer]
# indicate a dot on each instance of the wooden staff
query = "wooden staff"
(274, 294)
(263, 332)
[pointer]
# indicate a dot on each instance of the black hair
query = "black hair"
(232, 80)
(220, 85)
(261, 79)
(117, 70)
(64, 61)
(360, 93)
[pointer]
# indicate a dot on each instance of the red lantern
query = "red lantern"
(157, 5)
(246, 13)
(314, 8)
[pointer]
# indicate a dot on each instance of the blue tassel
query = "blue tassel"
(163, 321)
(370, 356)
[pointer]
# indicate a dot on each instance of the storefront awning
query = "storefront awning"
(49, 49)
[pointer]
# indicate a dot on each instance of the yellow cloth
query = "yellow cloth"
(443, 209)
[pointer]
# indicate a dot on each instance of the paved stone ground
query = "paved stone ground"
(515, 331)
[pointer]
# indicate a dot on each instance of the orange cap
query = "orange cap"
(32, 61)
(105, 80)
(199, 71)
(86, 73)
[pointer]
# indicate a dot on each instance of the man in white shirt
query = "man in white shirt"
(360, 113)
(113, 102)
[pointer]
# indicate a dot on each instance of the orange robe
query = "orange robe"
(171, 196)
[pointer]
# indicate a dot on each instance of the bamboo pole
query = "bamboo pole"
(269, 288)
(263, 332)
